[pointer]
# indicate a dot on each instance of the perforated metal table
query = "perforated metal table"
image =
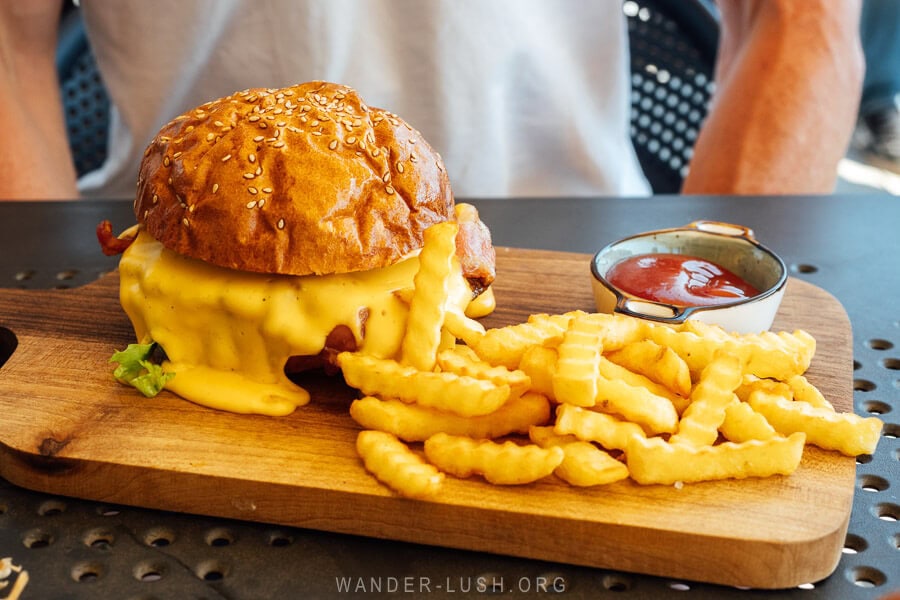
(74, 548)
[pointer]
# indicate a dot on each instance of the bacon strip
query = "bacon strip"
(474, 249)
(109, 243)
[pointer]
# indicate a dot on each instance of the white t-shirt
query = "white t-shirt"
(520, 97)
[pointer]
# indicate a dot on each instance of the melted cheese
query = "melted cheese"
(227, 334)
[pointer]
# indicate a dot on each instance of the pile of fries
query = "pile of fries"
(590, 398)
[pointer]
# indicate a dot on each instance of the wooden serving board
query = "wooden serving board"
(68, 428)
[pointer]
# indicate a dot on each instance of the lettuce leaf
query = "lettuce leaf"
(136, 369)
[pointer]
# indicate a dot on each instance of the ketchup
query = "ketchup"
(679, 280)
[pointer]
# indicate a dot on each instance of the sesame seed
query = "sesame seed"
(376, 152)
(386, 177)
(314, 123)
(249, 175)
(280, 223)
(215, 188)
(333, 144)
(261, 203)
(318, 133)
(176, 155)
(259, 138)
(267, 190)
(185, 221)
(251, 157)
(253, 118)
(218, 123)
(262, 125)
(155, 198)
(412, 158)
(389, 189)
(399, 167)
(278, 144)
(226, 157)
(166, 161)
(258, 170)
(252, 190)
(191, 207)
(251, 204)
(210, 137)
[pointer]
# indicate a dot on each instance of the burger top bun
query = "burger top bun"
(302, 180)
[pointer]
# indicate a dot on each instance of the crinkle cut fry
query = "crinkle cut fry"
(462, 395)
(584, 464)
(414, 423)
(743, 424)
(504, 463)
(591, 426)
(710, 398)
(428, 306)
(463, 361)
(506, 345)
(577, 365)
(767, 354)
(395, 465)
(847, 433)
(655, 461)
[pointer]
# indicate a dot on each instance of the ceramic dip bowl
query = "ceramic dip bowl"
(731, 247)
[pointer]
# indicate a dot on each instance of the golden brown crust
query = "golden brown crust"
(302, 180)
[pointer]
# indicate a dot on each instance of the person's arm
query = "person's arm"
(35, 160)
(788, 81)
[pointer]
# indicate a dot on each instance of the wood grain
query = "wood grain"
(69, 429)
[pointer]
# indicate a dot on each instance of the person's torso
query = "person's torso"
(520, 97)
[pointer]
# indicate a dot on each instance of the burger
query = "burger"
(275, 229)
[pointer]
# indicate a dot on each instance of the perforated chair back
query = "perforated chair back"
(673, 52)
(84, 97)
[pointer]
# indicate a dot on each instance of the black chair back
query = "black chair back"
(84, 97)
(673, 52)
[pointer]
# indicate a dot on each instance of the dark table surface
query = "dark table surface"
(848, 245)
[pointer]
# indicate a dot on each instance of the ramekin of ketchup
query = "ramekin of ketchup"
(678, 279)
(711, 271)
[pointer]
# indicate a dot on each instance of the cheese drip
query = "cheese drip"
(227, 334)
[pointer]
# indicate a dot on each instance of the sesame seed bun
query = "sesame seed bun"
(302, 180)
